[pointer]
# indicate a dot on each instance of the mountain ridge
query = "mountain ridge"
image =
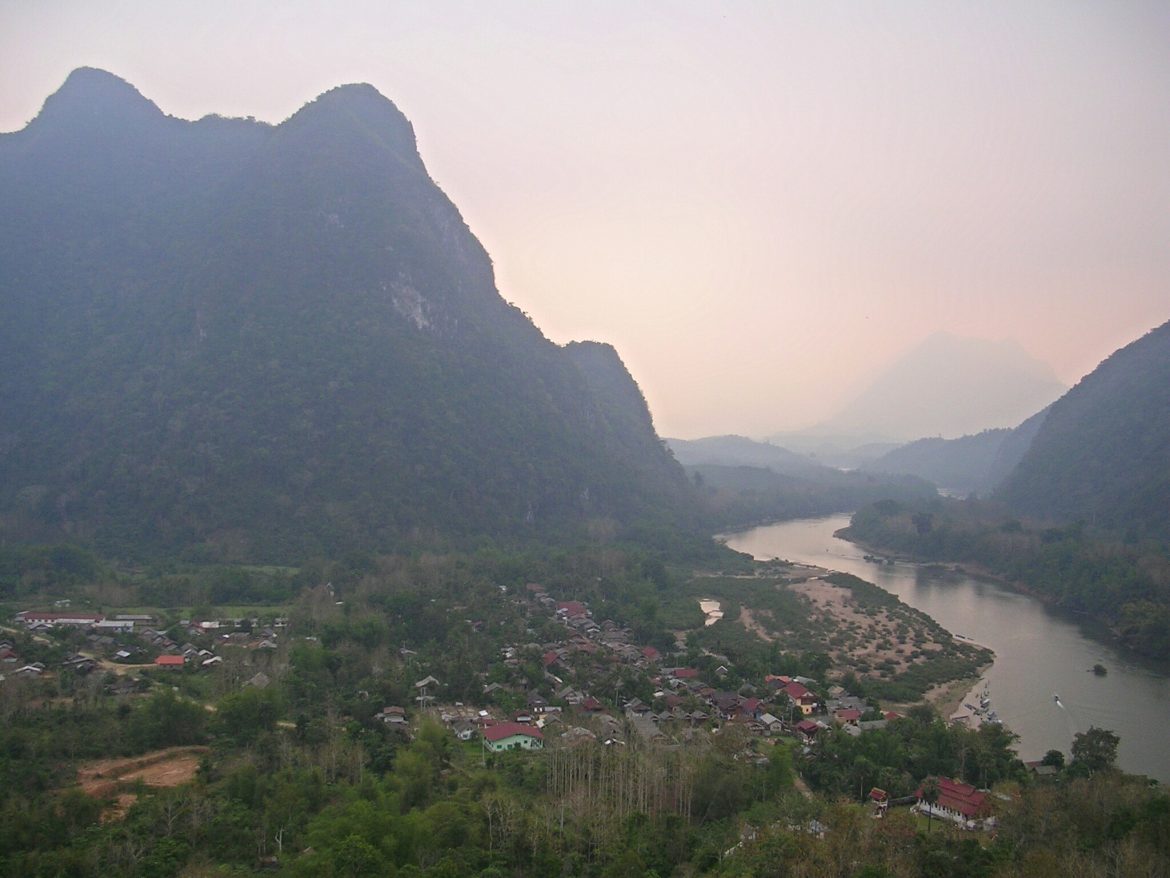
(1102, 454)
(259, 342)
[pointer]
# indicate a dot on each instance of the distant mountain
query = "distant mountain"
(254, 342)
(745, 482)
(740, 451)
(969, 464)
(949, 386)
(1102, 454)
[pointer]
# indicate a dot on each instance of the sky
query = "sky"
(759, 204)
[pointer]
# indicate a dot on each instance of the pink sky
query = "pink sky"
(759, 204)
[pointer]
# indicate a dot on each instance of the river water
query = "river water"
(1039, 652)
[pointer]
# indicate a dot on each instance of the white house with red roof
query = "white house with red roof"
(957, 801)
(36, 617)
(512, 736)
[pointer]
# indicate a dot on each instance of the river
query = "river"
(1039, 652)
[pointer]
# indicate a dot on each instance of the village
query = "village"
(666, 704)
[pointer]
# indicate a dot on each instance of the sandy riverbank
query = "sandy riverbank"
(949, 699)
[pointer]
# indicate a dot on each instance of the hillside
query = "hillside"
(968, 464)
(255, 342)
(1102, 454)
(741, 451)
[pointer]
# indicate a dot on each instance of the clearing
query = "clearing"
(160, 768)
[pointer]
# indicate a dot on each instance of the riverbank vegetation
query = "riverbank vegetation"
(1124, 583)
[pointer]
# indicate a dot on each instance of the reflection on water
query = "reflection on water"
(1038, 652)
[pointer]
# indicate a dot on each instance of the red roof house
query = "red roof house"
(957, 801)
(850, 716)
(512, 736)
(170, 661)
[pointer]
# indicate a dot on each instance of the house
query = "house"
(957, 802)
(170, 661)
(124, 626)
(771, 724)
(801, 697)
(464, 730)
(807, 730)
(847, 716)
(35, 617)
(82, 664)
(571, 609)
(650, 654)
(512, 736)
(393, 716)
(1040, 769)
(636, 707)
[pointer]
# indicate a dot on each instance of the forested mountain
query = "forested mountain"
(741, 451)
(969, 464)
(256, 342)
(1102, 454)
(746, 482)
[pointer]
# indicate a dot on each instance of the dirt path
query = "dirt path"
(748, 621)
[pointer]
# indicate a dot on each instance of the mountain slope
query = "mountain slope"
(741, 451)
(257, 342)
(1103, 452)
(968, 464)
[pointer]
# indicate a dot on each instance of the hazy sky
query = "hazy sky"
(758, 203)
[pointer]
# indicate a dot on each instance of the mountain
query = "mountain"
(740, 451)
(970, 464)
(745, 482)
(253, 342)
(1102, 454)
(948, 386)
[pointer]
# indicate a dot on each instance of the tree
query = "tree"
(1094, 750)
(930, 793)
(1055, 758)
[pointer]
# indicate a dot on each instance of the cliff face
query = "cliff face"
(263, 342)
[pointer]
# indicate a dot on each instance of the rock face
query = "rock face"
(264, 342)
(1102, 454)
